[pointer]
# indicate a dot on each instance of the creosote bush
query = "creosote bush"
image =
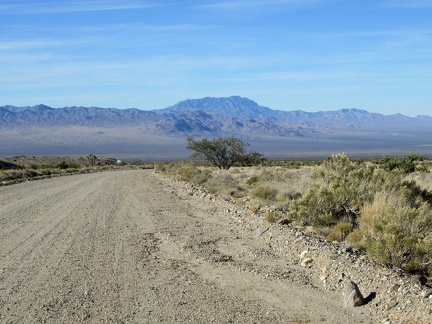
(395, 233)
(342, 187)
(383, 211)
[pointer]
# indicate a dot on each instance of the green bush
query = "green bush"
(251, 180)
(397, 234)
(265, 193)
(30, 173)
(224, 152)
(46, 172)
(342, 187)
(407, 164)
(63, 165)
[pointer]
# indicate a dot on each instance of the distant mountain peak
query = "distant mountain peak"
(42, 106)
(233, 115)
(234, 106)
(41, 128)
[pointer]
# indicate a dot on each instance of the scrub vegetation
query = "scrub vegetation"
(380, 206)
(23, 168)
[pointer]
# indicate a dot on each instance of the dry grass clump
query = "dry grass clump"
(277, 185)
(272, 217)
(187, 171)
(225, 185)
(355, 239)
(261, 185)
(376, 206)
(339, 232)
(264, 193)
(395, 233)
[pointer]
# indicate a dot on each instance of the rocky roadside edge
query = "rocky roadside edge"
(395, 297)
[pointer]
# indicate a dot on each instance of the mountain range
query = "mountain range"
(42, 129)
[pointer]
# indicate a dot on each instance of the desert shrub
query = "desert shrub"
(254, 209)
(3, 175)
(414, 194)
(272, 217)
(355, 238)
(14, 174)
(339, 232)
(269, 175)
(199, 178)
(264, 192)
(407, 164)
(341, 188)
(187, 171)
(221, 183)
(72, 170)
(30, 173)
(396, 233)
(62, 165)
(251, 180)
(423, 168)
(287, 196)
(46, 172)
(235, 192)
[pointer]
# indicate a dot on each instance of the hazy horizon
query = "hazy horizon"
(311, 55)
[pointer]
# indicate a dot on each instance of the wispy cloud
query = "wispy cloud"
(408, 3)
(292, 76)
(236, 5)
(49, 7)
(23, 45)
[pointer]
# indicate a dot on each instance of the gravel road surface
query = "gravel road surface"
(129, 247)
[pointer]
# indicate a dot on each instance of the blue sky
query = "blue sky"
(311, 55)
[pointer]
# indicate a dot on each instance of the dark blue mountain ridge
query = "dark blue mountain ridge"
(234, 106)
(346, 118)
(217, 116)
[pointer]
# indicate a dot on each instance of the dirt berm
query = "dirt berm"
(131, 247)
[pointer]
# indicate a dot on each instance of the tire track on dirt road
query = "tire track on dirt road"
(128, 247)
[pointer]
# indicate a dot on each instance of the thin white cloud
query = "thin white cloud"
(50, 7)
(20, 45)
(236, 5)
(288, 76)
(408, 3)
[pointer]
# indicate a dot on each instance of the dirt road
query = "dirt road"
(129, 247)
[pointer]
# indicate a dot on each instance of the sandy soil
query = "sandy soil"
(128, 247)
